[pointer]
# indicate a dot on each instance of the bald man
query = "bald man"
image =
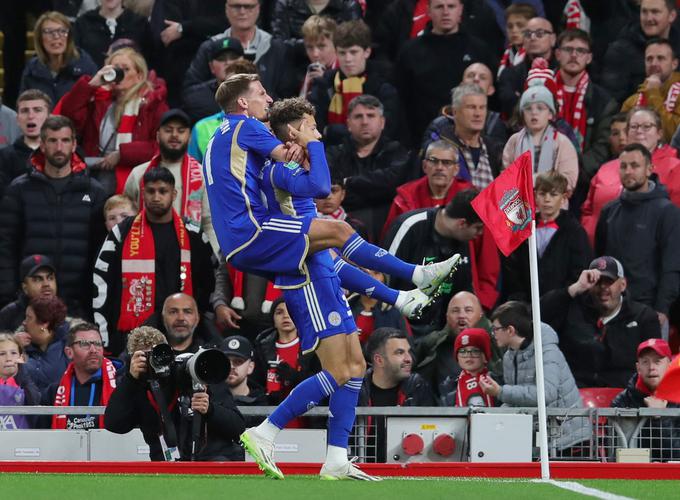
(434, 352)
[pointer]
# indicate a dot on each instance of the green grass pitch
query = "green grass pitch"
(179, 487)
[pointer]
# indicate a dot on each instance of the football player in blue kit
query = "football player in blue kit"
(279, 245)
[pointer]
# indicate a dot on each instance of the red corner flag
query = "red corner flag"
(506, 206)
(669, 387)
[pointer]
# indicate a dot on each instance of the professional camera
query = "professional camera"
(205, 367)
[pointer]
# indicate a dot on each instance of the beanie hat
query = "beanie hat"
(475, 337)
(540, 86)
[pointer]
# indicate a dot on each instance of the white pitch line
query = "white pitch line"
(583, 490)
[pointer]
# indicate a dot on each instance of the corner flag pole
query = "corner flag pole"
(538, 350)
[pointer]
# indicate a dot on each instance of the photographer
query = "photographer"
(165, 411)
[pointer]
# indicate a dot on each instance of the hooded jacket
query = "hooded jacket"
(14, 161)
(519, 374)
(605, 186)
(67, 227)
(642, 230)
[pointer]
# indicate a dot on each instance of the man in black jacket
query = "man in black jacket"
(269, 55)
(147, 258)
(624, 62)
(599, 327)
(390, 381)
(56, 211)
(641, 228)
(433, 63)
(130, 407)
(33, 106)
(244, 389)
(371, 164)
(661, 435)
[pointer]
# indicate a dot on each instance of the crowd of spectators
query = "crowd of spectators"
(107, 247)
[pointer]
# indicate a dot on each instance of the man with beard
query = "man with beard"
(598, 326)
(55, 210)
(191, 202)
(390, 380)
(147, 258)
(89, 379)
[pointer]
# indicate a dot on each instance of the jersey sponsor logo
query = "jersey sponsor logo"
(291, 165)
(334, 318)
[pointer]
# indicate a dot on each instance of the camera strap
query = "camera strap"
(168, 436)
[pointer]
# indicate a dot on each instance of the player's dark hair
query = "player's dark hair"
(460, 206)
(517, 314)
(286, 111)
(159, 174)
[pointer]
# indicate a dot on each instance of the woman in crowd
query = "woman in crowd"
(117, 121)
(44, 339)
(57, 64)
(644, 127)
(16, 386)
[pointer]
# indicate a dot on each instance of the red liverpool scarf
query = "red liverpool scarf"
(420, 18)
(576, 117)
(468, 386)
(345, 91)
(63, 397)
(124, 133)
(138, 267)
(192, 188)
(511, 57)
(671, 98)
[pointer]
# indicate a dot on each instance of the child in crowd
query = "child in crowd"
(551, 150)
(16, 387)
(562, 243)
(516, 19)
(317, 35)
(331, 206)
(472, 349)
(117, 208)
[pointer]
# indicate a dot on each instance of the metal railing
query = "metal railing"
(599, 432)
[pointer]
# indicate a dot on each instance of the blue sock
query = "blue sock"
(342, 410)
(355, 280)
(305, 396)
(367, 255)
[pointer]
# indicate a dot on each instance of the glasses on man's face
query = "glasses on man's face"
(469, 353)
(496, 329)
(441, 161)
(536, 33)
(580, 51)
(86, 344)
(55, 32)
(242, 6)
(646, 127)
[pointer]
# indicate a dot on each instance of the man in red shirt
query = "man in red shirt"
(436, 188)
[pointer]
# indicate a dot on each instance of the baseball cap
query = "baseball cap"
(175, 114)
(236, 345)
(31, 264)
(220, 45)
(659, 346)
(608, 266)
(475, 337)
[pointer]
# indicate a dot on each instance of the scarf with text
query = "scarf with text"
(138, 271)
(192, 188)
(345, 90)
(420, 18)
(63, 397)
(511, 57)
(575, 117)
(670, 101)
(468, 387)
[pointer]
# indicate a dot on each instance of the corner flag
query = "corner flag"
(506, 206)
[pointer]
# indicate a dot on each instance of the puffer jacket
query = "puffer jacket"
(606, 186)
(519, 373)
(87, 106)
(37, 75)
(67, 227)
